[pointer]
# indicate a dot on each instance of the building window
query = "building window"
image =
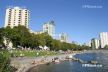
(19, 10)
(20, 14)
(9, 10)
(9, 13)
(9, 17)
(8, 24)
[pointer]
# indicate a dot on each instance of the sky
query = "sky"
(82, 20)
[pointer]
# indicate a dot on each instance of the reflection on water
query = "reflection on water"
(68, 66)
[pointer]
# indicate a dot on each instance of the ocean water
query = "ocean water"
(101, 56)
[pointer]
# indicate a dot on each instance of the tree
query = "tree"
(65, 46)
(7, 32)
(106, 47)
(21, 36)
(55, 45)
(1, 35)
(41, 40)
(5, 62)
(74, 47)
(48, 39)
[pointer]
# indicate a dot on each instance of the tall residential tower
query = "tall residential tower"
(64, 37)
(95, 44)
(103, 39)
(49, 28)
(17, 16)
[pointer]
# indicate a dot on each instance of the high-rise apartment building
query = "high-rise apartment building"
(95, 44)
(64, 37)
(17, 16)
(49, 28)
(103, 39)
(88, 44)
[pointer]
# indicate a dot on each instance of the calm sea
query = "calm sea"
(101, 56)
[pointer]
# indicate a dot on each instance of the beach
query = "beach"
(23, 64)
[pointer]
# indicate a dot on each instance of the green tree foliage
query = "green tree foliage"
(21, 36)
(5, 62)
(18, 35)
(65, 46)
(7, 33)
(33, 41)
(55, 45)
(40, 39)
(48, 39)
(1, 35)
(106, 47)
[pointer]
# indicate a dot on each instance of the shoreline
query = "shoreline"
(24, 64)
(49, 60)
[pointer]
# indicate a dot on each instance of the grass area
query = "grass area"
(33, 53)
(4, 53)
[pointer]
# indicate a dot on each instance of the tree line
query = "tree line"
(21, 36)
